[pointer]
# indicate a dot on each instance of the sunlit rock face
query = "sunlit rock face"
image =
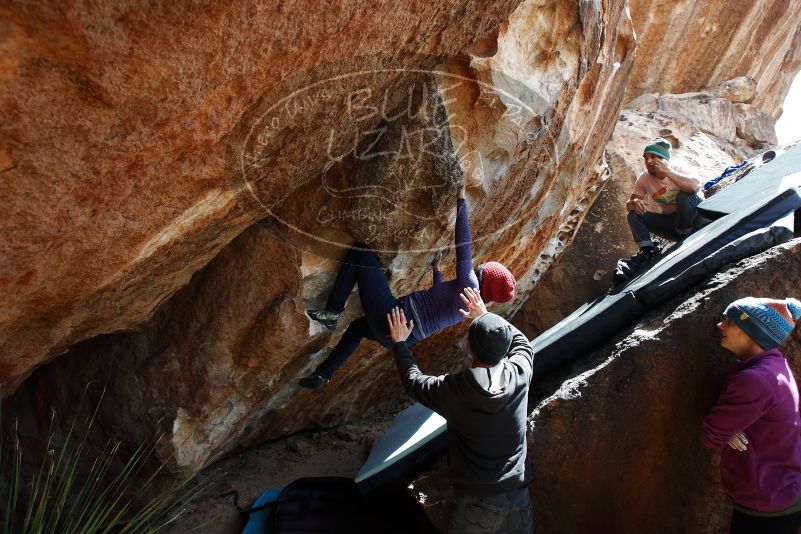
(325, 147)
(128, 134)
(684, 46)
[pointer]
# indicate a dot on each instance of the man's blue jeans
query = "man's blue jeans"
(684, 221)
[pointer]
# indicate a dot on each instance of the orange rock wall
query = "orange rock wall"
(143, 146)
(521, 115)
(685, 46)
(123, 131)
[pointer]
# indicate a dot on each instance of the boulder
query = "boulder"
(617, 447)
(132, 135)
(724, 111)
(143, 142)
(738, 90)
(687, 46)
(754, 126)
(333, 154)
(711, 115)
(646, 103)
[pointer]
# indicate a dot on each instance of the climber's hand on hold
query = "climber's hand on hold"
(399, 329)
(436, 263)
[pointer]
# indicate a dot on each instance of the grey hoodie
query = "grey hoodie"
(486, 417)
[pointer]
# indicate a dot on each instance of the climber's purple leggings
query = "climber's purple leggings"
(361, 267)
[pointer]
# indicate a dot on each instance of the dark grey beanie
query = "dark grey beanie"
(490, 337)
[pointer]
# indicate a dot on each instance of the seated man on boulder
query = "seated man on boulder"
(675, 190)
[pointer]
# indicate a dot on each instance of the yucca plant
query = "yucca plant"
(63, 497)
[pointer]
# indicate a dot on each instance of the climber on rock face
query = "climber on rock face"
(486, 407)
(432, 309)
(756, 421)
(675, 190)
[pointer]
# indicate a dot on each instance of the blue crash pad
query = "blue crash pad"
(257, 522)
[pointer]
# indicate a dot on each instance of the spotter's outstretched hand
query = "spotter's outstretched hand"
(471, 297)
(399, 329)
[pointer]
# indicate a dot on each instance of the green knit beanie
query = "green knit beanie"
(658, 146)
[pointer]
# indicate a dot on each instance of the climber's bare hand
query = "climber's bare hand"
(399, 329)
(739, 442)
(471, 298)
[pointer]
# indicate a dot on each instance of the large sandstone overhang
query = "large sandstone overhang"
(687, 46)
(143, 147)
(155, 141)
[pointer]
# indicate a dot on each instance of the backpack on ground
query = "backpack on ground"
(335, 505)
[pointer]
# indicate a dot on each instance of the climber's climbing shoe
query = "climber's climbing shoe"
(325, 317)
(312, 381)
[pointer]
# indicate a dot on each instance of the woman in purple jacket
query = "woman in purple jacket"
(431, 309)
(756, 421)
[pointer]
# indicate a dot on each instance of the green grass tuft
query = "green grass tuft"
(62, 498)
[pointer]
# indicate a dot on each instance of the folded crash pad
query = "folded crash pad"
(582, 330)
(748, 245)
(416, 433)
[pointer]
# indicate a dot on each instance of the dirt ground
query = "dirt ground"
(335, 452)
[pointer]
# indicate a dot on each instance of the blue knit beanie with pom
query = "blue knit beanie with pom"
(768, 322)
